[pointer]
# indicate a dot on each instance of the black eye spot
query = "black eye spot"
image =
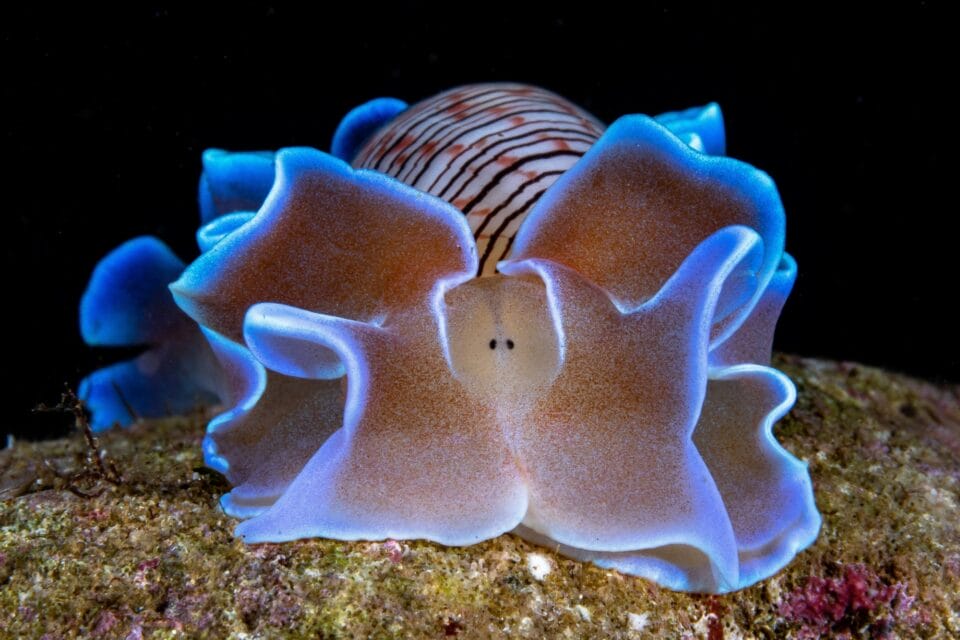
(493, 344)
(509, 344)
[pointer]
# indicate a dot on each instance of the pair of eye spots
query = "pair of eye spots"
(493, 343)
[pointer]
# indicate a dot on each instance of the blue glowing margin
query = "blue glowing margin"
(704, 125)
(742, 180)
(358, 125)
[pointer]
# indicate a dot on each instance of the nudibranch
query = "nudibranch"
(484, 313)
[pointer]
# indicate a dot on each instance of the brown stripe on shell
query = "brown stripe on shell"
(489, 149)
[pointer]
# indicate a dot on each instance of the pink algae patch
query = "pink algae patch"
(843, 607)
(143, 569)
(394, 550)
(105, 623)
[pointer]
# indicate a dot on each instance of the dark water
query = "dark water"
(106, 115)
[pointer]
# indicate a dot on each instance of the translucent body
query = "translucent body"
(604, 390)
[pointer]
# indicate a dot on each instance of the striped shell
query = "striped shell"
(489, 149)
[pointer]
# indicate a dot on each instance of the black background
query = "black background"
(106, 115)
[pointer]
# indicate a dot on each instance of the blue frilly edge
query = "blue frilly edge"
(233, 181)
(248, 384)
(700, 127)
(360, 123)
(238, 182)
(219, 228)
(127, 303)
(234, 185)
(751, 184)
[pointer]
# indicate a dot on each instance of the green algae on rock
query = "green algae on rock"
(155, 556)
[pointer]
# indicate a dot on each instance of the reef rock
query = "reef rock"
(152, 555)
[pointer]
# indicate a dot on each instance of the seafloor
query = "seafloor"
(152, 556)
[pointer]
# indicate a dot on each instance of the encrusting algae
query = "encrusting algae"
(153, 556)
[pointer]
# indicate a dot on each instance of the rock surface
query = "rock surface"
(154, 557)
